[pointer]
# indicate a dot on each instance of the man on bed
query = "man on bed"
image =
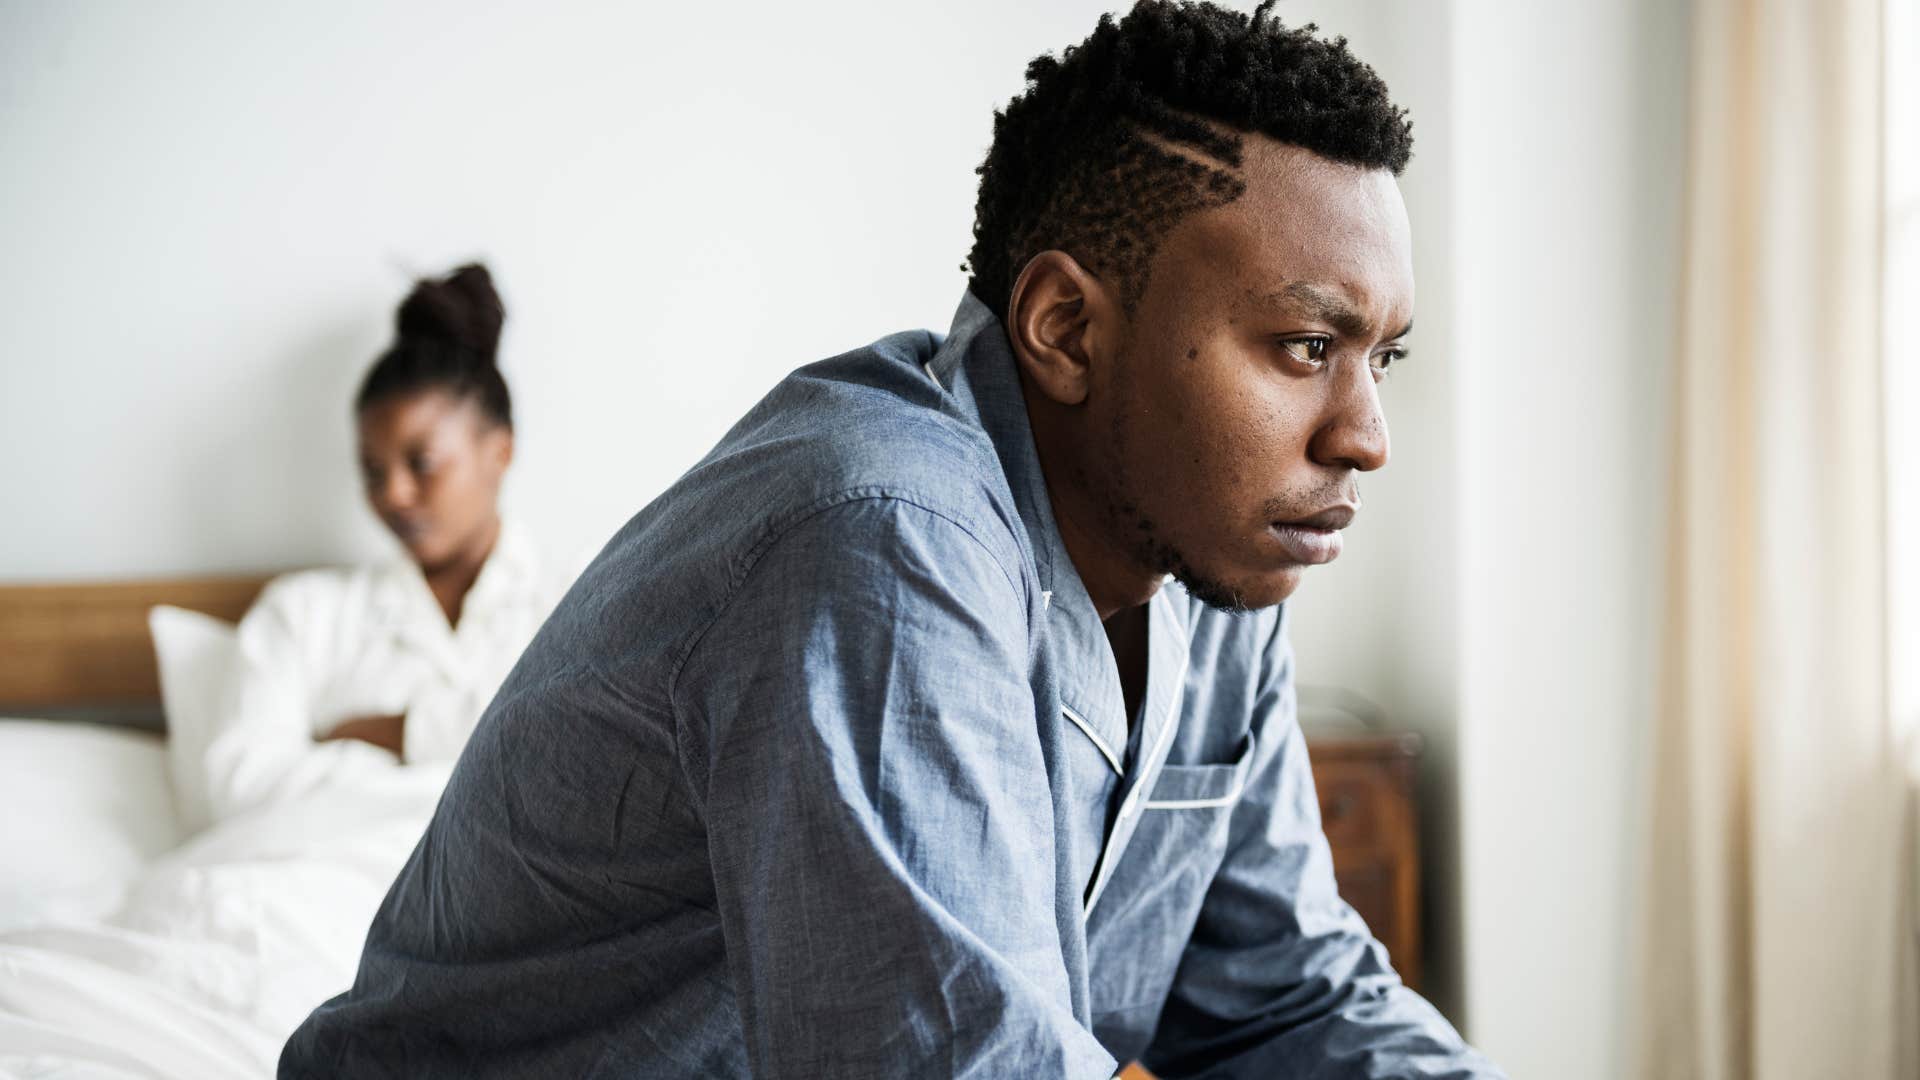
(882, 745)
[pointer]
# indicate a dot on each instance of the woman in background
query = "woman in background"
(349, 669)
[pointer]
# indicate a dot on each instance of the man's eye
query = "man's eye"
(1385, 361)
(1309, 350)
(420, 465)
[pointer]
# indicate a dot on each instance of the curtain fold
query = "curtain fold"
(1776, 873)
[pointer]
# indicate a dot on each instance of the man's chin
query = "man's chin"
(1241, 595)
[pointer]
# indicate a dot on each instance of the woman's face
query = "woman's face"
(432, 465)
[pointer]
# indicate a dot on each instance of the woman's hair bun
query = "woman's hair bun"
(461, 309)
(449, 330)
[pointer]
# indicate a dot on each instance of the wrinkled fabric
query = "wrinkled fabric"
(811, 775)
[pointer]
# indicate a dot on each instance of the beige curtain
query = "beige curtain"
(1777, 870)
(1902, 304)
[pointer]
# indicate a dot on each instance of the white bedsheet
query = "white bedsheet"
(83, 808)
(219, 948)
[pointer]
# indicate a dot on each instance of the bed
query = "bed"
(136, 941)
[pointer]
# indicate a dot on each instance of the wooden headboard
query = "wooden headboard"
(72, 646)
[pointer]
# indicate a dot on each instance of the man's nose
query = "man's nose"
(1353, 434)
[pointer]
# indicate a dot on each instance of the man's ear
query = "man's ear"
(1062, 321)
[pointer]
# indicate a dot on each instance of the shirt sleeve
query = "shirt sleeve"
(864, 738)
(263, 750)
(1281, 977)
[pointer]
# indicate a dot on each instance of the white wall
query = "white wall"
(1568, 153)
(208, 212)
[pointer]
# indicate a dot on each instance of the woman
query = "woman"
(343, 670)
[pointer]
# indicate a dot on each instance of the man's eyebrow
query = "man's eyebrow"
(1327, 306)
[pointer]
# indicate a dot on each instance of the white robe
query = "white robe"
(324, 646)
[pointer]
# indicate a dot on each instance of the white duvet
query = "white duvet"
(200, 963)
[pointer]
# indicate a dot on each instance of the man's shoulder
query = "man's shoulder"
(871, 426)
(872, 421)
(871, 417)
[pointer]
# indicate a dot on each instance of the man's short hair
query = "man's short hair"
(1124, 134)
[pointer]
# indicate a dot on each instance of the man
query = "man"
(881, 745)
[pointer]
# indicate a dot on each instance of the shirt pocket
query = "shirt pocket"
(1201, 787)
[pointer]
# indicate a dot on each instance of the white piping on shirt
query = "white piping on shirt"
(1086, 728)
(1173, 707)
(1103, 869)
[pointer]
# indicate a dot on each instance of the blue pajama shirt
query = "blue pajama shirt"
(821, 770)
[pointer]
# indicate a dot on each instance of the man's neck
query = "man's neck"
(1113, 578)
(1127, 636)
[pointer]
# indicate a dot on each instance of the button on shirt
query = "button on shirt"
(811, 774)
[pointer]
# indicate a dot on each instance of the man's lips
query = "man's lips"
(1333, 517)
(1315, 538)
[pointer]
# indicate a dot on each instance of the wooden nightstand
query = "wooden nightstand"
(1367, 808)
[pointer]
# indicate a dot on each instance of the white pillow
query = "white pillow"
(84, 808)
(198, 655)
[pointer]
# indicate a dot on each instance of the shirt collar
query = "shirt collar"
(509, 574)
(976, 365)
